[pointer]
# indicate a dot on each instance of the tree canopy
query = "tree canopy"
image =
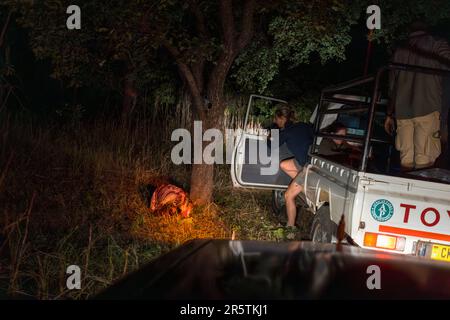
(118, 35)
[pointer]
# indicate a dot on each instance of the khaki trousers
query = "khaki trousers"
(418, 140)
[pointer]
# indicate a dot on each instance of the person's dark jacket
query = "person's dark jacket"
(417, 94)
(298, 138)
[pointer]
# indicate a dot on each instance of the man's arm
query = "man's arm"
(442, 50)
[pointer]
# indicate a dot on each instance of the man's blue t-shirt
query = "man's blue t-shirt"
(298, 138)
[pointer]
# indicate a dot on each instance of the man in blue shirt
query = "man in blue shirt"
(298, 138)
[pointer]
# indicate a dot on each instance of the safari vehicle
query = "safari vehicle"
(383, 208)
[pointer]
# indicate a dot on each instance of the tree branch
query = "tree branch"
(188, 76)
(227, 21)
(247, 25)
(200, 22)
(193, 75)
(231, 47)
(199, 66)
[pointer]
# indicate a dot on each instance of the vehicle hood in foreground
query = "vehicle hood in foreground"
(222, 269)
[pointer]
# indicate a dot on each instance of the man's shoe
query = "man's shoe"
(292, 233)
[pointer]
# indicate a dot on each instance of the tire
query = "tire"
(278, 202)
(323, 229)
(279, 206)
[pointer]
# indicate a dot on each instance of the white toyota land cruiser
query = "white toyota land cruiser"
(383, 208)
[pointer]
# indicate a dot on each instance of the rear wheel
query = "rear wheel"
(323, 229)
(279, 210)
(278, 202)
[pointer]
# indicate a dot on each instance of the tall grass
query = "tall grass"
(66, 194)
(69, 195)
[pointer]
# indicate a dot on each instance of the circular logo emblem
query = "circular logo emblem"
(382, 210)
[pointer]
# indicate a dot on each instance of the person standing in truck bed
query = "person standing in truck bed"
(416, 99)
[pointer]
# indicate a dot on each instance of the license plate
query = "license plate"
(439, 252)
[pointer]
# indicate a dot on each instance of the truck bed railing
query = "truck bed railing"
(368, 106)
(346, 101)
(349, 84)
(350, 137)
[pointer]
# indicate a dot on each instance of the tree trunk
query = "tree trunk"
(202, 183)
(202, 175)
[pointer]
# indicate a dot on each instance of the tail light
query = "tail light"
(384, 241)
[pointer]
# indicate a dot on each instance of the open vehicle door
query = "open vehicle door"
(247, 173)
(247, 166)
